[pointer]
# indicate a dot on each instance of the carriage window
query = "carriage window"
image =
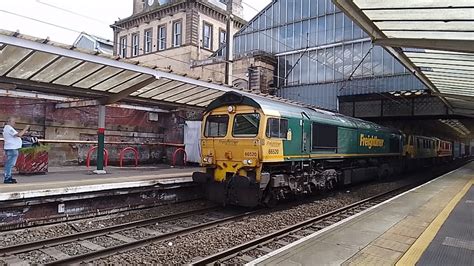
(277, 128)
(324, 137)
(216, 126)
(246, 125)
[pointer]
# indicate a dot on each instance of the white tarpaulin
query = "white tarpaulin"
(192, 140)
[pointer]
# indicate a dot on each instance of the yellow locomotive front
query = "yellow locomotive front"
(231, 152)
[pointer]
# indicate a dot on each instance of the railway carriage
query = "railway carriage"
(257, 150)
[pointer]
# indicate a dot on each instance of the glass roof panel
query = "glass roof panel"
(441, 80)
(441, 62)
(429, 51)
(188, 93)
(56, 69)
(428, 14)
(31, 65)
(453, 35)
(184, 87)
(426, 26)
(195, 97)
(363, 4)
(150, 87)
(120, 78)
(449, 76)
(412, 56)
(101, 75)
(204, 101)
(10, 56)
(163, 88)
(77, 73)
(452, 67)
(448, 71)
(458, 92)
(130, 83)
(452, 85)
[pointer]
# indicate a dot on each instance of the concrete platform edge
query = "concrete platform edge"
(168, 180)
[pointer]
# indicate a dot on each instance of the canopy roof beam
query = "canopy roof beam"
(462, 46)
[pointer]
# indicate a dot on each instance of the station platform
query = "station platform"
(432, 224)
(80, 179)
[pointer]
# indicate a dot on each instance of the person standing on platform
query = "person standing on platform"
(12, 143)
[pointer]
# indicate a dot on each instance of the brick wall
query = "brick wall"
(122, 125)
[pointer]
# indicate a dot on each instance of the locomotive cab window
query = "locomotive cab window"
(246, 125)
(324, 137)
(277, 128)
(216, 126)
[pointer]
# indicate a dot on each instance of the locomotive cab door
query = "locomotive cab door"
(305, 124)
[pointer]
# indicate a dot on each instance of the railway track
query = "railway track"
(172, 226)
(261, 246)
(164, 229)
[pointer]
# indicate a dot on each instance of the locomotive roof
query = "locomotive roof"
(293, 110)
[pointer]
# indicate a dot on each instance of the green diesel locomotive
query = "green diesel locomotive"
(258, 150)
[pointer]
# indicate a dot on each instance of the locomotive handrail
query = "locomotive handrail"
(106, 156)
(174, 156)
(122, 153)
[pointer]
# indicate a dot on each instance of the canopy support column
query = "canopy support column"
(101, 141)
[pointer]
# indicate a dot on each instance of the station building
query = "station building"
(172, 34)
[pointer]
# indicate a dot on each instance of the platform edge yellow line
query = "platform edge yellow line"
(414, 253)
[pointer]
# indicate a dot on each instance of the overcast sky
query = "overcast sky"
(69, 17)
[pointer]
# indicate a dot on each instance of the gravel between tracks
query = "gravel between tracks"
(105, 242)
(36, 257)
(185, 249)
(33, 234)
(72, 249)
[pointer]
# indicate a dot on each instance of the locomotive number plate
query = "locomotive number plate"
(273, 151)
(250, 154)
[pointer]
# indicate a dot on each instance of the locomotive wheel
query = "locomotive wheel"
(330, 185)
(270, 200)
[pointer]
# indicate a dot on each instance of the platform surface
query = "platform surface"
(454, 242)
(387, 232)
(68, 180)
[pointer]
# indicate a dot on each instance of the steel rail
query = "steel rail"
(98, 254)
(22, 248)
(225, 254)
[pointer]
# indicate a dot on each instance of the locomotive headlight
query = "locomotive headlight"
(207, 159)
(247, 162)
(230, 108)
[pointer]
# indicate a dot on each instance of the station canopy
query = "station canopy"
(434, 39)
(41, 65)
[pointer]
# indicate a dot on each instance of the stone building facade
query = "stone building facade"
(173, 34)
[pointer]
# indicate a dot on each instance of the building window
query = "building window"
(207, 36)
(148, 40)
(177, 33)
(135, 44)
(123, 47)
(162, 37)
(222, 42)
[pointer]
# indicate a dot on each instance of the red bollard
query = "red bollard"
(122, 153)
(89, 153)
(176, 152)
